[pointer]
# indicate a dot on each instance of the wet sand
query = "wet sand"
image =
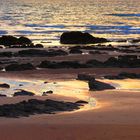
(115, 116)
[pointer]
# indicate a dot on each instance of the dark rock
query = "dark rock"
(6, 54)
(34, 106)
(75, 51)
(20, 85)
(40, 53)
(95, 85)
(39, 46)
(85, 77)
(112, 61)
(23, 93)
(24, 40)
(135, 40)
(2, 95)
(81, 102)
(77, 37)
(11, 41)
(123, 75)
(46, 82)
(4, 85)
(63, 64)
(47, 92)
(19, 67)
(8, 40)
(94, 63)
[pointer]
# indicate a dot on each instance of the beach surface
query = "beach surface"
(110, 114)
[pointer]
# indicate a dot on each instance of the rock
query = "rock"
(11, 41)
(85, 77)
(24, 40)
(6, 54)
(77, 37)
(20, 85)
(123, 75)
(63, 64)
(23, 93)
(2, 95)
(135, 40)
(95, 85)
(75, 51)
(81, 102)
(39, 46)
(8, 40)
(4, 85)
(19, 67)
(47, 92)
(40, 53)
(94, 63)
(46, 82)
(111, 62)
(34, 106)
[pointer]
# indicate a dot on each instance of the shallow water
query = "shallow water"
(45, 20)
(72, 88)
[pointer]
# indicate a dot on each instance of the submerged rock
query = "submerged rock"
(23, 93)
(77, 37)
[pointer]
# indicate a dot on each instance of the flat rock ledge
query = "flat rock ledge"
(34, 106)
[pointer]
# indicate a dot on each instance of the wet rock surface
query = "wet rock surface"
(34, 106)
(23, 93)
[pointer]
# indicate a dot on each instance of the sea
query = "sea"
(44, 21)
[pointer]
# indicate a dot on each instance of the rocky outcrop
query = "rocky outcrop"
(75, 51)
(34, 106)
(95, 85)
(77, 37)
(23, 93)
(19, 67)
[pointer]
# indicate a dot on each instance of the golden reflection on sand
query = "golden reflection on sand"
(126, 84)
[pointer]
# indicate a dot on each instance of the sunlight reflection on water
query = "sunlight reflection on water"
(45, 20)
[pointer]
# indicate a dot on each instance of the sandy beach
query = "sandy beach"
(115, 116)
